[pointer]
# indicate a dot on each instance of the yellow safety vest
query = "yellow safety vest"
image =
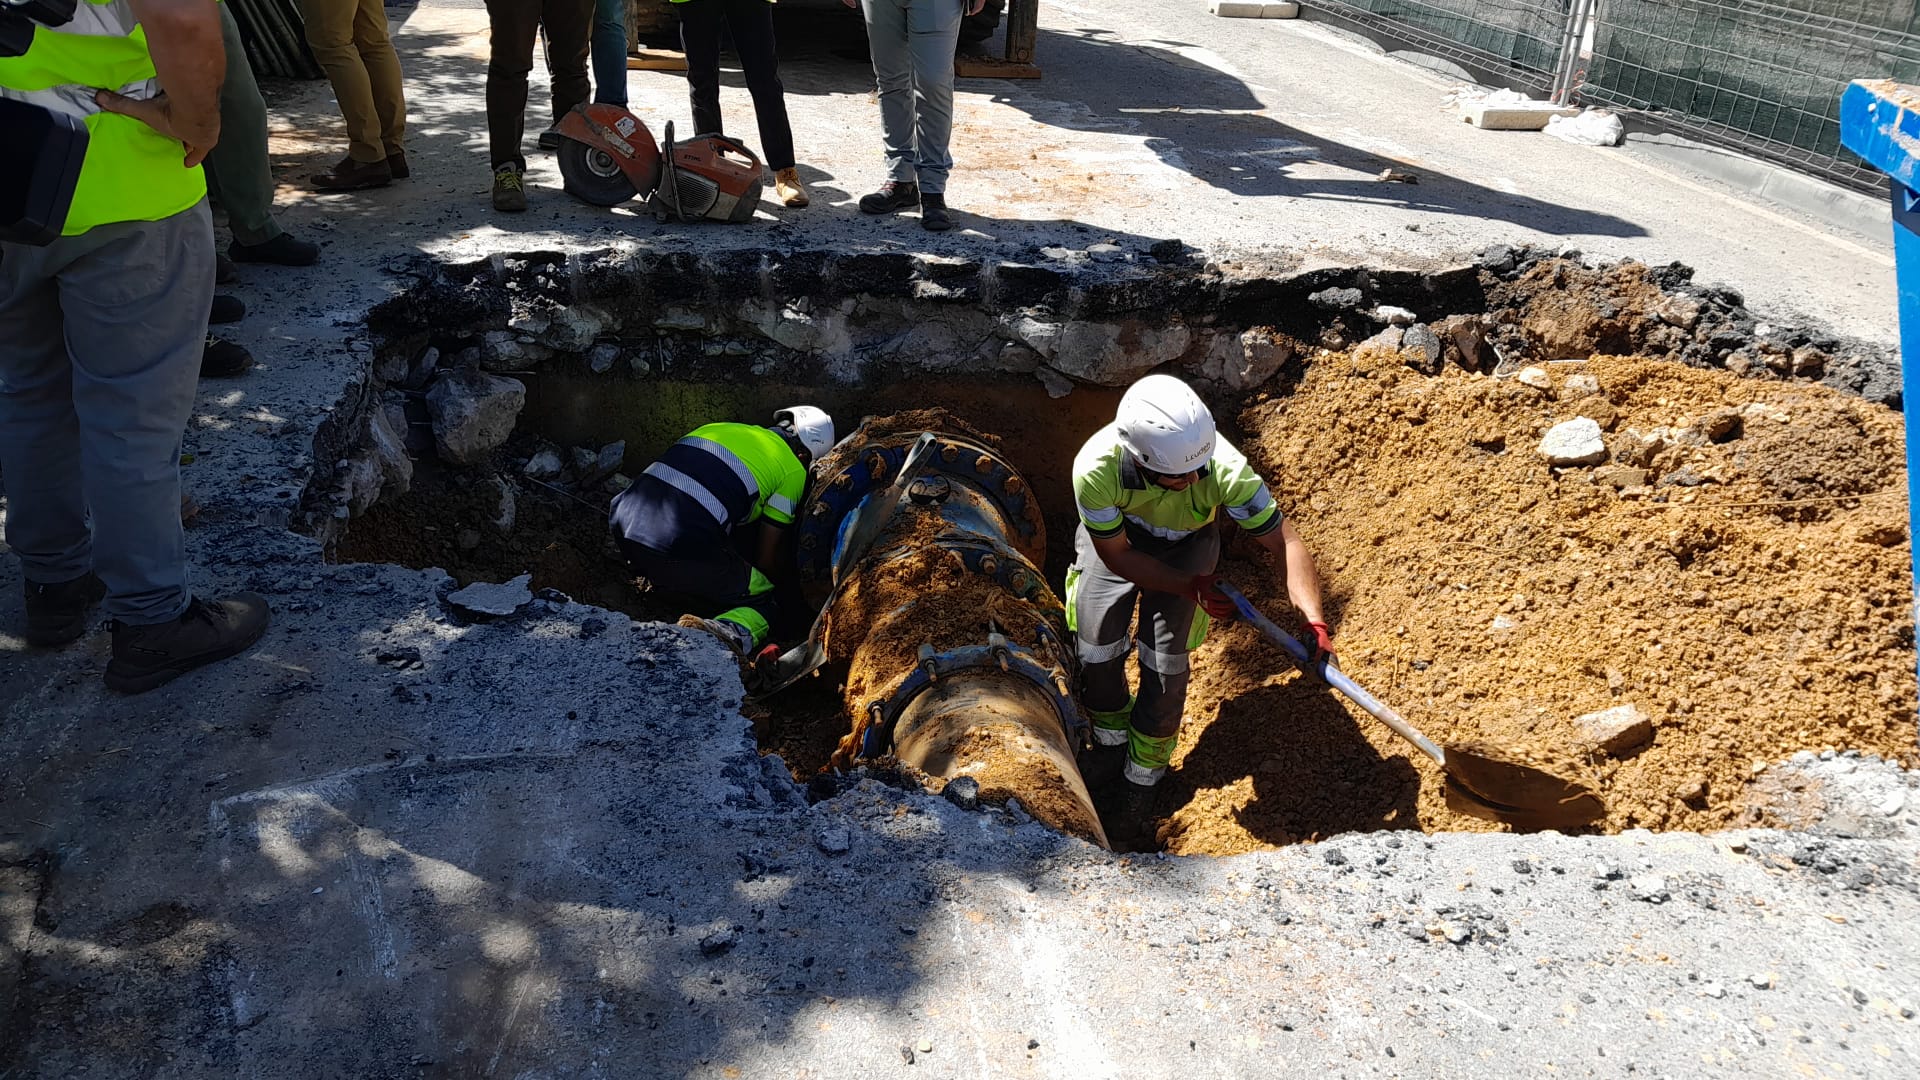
(131, 172)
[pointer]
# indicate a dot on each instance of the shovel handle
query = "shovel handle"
(1334, 676)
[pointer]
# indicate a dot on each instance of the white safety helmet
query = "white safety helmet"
(813, 427)
(1165, 425)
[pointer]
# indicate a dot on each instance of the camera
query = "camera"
(34, 200)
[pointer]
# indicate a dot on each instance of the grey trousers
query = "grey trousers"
(1103, 619)
(100, 343)
(912, 43)
(237, 174)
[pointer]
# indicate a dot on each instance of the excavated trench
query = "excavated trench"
(1720, 584)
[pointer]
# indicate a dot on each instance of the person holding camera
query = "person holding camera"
(103, 317)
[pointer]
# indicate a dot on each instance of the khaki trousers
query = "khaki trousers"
(349, 40)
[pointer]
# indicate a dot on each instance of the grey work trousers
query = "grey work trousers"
(912, 43)
(237, 174)
(1103, 619)
(100, 342)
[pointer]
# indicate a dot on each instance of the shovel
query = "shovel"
(1484, 782)
(805, 658)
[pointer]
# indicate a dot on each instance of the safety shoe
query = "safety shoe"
(788, 188)
(57, 614)
(282, 250)
(226, 309)
(397, 165)
(549, 139)
(223, 359)
(733, 637)
(1101, 765)
(933, 212)
(893, 195)
(509, 188)
(351, 175)
(1132, 824)
(147, 656)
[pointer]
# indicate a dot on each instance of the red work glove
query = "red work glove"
(1204, 590)
(1319, 640)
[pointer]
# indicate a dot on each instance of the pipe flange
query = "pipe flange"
(853, 473)
(999, 654)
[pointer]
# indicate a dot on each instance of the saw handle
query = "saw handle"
(1334, 676)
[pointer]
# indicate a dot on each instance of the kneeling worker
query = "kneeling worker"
(679, 523)
(1148, 486)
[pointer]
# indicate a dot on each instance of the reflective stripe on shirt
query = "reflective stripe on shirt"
(691, 488)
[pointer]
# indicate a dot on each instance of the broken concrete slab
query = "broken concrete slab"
(484, 599)
(1617, 730)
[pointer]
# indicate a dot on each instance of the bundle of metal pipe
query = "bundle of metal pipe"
(956, 649)
(275, 37)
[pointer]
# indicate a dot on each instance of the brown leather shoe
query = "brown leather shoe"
(397, 164)
(147, 656)
(351, 175)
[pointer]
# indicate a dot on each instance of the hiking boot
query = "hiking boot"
(893, 195)
(397, 165)
(933, 212)
(549, 139)
(788, 188)
(147, 656)
(1100, 766)
(57, 614)
(223, 359)
(735, 638)
(351, 175)
(282, 250)
(509, 188)
(1131, 827)
(226, 309)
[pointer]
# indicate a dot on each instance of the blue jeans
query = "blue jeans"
(609, 48)
(100, 343)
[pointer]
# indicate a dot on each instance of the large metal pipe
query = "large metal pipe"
(956, 649)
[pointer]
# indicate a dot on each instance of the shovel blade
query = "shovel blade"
(1496, 787)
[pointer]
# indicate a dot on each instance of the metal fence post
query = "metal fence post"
(1566, 72)
(1880, 121)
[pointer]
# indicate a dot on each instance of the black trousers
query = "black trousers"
(516, 25)
(751, 23)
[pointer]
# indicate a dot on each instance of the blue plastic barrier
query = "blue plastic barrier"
(1880, 121)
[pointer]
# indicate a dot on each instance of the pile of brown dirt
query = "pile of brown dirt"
(1738, 570)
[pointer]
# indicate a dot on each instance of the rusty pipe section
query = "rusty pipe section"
(957, 657)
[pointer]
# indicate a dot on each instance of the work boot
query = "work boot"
(282, 250)
(549, 139)
(1132, 824)
(893, 195)
(351, 175)
(147, 656)
(1100, 766)
(788, 188)
(736, 639)
(226, 309)
(509, 188)
(57, 614)
(933, 212)
(223, 359)
(397, 165)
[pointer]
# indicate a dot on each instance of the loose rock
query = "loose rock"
(487, 600)
(1574, 443)
(473, 412)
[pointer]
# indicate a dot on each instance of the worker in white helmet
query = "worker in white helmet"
(1148, 487)
(682, 525)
